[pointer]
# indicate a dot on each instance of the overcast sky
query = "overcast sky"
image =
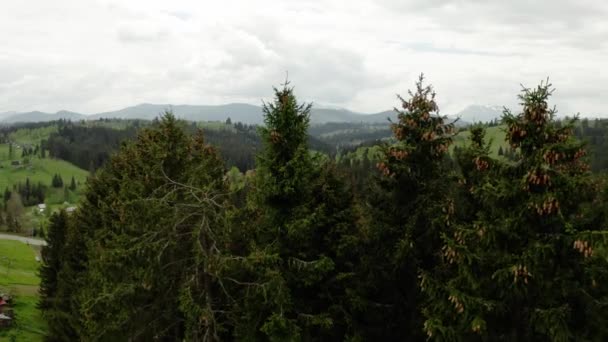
(98, 55)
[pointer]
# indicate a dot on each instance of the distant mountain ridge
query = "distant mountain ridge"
(237, 112)
(242, 112)
(37, 116)
(479, 113)
(7, 114)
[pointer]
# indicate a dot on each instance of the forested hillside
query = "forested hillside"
(408, 242)
(595, 134)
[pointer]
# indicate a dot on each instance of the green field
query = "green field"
(33, 136)
(494, 136)
(35, 168)
(39, 170)
(19, 276)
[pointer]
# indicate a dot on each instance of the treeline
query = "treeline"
(237, 147)
(469, 248)
(345, 135)
(90, 147)
(27, 194)
(86, 147)
(595, 134)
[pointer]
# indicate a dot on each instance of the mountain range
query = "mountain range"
(245, 113)
(479, 113)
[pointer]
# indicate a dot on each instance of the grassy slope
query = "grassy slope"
(21, 279)
(32, 136)
(40, 170)
(494, 135)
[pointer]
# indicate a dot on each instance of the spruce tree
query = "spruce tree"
(7, 195)
(73, 184)
(66, 194)
(524, 263)
(52, 261)
(303, 223)
(14, 210)
(157, 241)
(409, 209)
(57, 181)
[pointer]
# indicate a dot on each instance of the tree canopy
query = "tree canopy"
(433, 243)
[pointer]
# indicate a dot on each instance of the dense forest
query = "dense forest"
(90, 144)
(595, 133)
(86, 147)
(90, 147)
(422, 245)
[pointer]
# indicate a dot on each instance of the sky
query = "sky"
(92, 56)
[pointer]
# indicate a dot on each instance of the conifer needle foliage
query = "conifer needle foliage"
(435, 244)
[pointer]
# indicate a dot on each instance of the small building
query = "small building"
(6, 312)
(5, 320)
(15, 163)
(3, 305)
(41, 207)
(70, 210)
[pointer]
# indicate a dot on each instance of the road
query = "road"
(35, 242)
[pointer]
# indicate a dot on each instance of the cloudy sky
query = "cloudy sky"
(98, 55)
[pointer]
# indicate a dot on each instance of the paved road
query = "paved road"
(36, 242)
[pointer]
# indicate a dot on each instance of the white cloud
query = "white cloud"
(93, 56)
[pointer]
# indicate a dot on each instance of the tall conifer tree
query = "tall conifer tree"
(409, 208)
(524, 264)
(52, 305)
(156, 241)
(305, 222)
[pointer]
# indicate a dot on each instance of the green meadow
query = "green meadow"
(39, 170)
(19, 277)
(495, 136)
